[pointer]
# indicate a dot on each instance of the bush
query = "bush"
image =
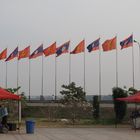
(95, 107)
(119, 106)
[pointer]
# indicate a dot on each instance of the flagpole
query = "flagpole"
(133, 66)
(42, 77)
(17, 74)
(6, 76)
(29, 79)
(84, 67)
(55, 96)
(139, 51)
(19, 102)
(116, 63)
(100, 74)
(69, 65)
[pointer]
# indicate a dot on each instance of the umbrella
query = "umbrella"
(133, 98)
(4, 94)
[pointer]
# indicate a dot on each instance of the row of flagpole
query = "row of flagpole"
(84, 59)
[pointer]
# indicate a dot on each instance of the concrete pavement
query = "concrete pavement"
(75, 134)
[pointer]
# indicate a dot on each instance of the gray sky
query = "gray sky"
(32, 22)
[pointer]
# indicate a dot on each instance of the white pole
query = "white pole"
(84, 68)
(17, 74)
(55, 96)
(29, 79)
(6, 75)
(19, 111)
(139, 51)
(116, 63)
(69, 65)
(133, 73)
(42, 76)
(100, 83)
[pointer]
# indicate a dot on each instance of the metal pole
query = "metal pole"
(133, 66)
(100, 74)
(55, 96)
(69, 65)
(6, 76)
(116, 63)
(139, 51)
(17, 74)
(29, 80)
(84, 67)
(42, 77)
(19, 115)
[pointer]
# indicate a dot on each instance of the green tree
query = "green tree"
(13, 90)
(96, 107)
(73, 97)
(119, 106)
(132, 91)
(13, 104)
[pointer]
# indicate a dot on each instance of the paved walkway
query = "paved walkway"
(75, 134)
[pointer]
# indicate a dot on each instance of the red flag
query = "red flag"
(3, 54)
(24, 53)
(79, 48)
(109, 44)
(50, 50)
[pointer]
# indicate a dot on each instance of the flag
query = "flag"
(3, 54)
(50, 50)
(13, 55)
(128, 42)
(62, 49)
(94, 45)
(24, 53)
(37, 52)
(109, 44)
(79, 48)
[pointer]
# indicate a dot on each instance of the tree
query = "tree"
(13, 104)
(73, 97)
(96, 107)
(13, 90)
(132, 91)
(119, 106)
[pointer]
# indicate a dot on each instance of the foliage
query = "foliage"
(23, 100)
(132, 91)
(72, 94)
(73, 97)
(12, 105)
(119, 106)
(13, 90)
(96, 107)
(23, 97)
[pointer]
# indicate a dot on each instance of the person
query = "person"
(135, 114)
(3, 115)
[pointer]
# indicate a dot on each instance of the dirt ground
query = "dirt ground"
(74, 134)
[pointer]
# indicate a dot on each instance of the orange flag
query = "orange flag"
(79, 48)
(50, 50)
(3, 54)
(109, 44)
(24, 53)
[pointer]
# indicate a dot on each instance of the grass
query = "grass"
(43, 122)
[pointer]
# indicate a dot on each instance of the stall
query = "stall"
(5, 95)
(134, 99)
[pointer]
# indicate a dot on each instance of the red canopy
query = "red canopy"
(4, 94)
(132, 98)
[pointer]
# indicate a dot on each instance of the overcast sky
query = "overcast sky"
(32, 22)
